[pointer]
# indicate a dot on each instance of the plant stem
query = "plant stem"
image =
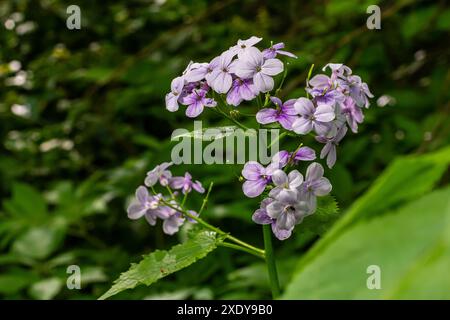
(281, 136)
(270, 261)
(256, 250)
(240, 248)
(205, 199)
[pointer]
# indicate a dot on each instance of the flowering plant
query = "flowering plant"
(334, 102)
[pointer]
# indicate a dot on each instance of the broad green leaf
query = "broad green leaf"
(26, 201)
(160, 264)
(405, 179)
(13, 282)
(326, 214)
(411, 246)
(38, 243)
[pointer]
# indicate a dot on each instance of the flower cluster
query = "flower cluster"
(165, 207)
(336, 101)
(242, 72)
(291, 197)
(334, 104)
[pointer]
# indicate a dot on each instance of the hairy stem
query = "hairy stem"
(240, 248)
(205, 224)
(270, 261)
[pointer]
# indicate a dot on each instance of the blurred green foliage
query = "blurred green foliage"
(82, 119)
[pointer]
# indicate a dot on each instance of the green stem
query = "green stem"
(240, 248)
(205, 199)
(221, 112)
(281, 136)
(270, 261)
(217, 230)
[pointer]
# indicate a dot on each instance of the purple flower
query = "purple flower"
(324, 90)
(283, 181)
(159, 173)
(353, 114)
(253, 65)
(196, 101)
(186, 184)
(315, 185)
(173, 220)
(242, 89)
(285, 114)
(257, 178)
(329, 150)
(196, 72)
(220, 79)
(143, 204)
(304, 154)
(311, 117)
(359, 91)
(280, 159)
(176, 87)
(272, 52)
(260, 216)
(287, 209)
(243, 45)
(338, 70)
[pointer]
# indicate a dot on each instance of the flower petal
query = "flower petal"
(314, 172)
(266, 116)
(281, 234)
(194, 110)
(274, 209)
(331, 159)
(261, 217)
(171, 102)
(197, 186)
(295, 179)
(305, 154)
(272, 67)
(324, 113)
(302, 125)
(252, 170)
(136, 210)
(279, 178)
(322, 187)
(263, 83)
(142, 194)
(304, 107)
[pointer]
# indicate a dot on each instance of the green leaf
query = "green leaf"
(406, 244)
(326, 214)
(26, 201)
(46, 289)
(13, 282)
(160, 264)
(38, 243)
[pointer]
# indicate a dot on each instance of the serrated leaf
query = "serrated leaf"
(326, 214)
(160, 264)
(406, 245)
